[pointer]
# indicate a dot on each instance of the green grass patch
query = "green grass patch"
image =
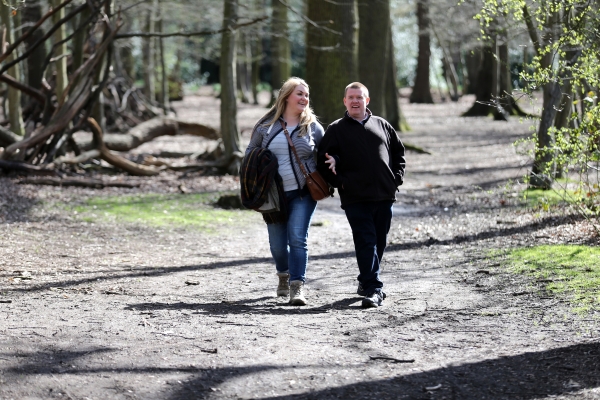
(546, 199)
(569, 270)
(164, 210)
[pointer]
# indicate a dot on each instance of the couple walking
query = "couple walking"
(359, 154)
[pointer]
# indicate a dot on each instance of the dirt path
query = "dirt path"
(103, 311)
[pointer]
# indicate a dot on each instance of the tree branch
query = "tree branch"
(533, 34)
(187, 34)
(28, 90)
(24, 36)
(48, 34)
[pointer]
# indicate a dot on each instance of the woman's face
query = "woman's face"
(298, 100)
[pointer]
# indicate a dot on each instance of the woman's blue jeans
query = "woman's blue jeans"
(288, 241)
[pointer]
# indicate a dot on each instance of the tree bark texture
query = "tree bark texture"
(32, 12)
(79, 40)
(542, 172)
(227, 73)
(80, 94)
(60, 53)
(331, 55)
(150, 130)
(242, 68)
(148, 54)
(116, 160)
(505, 97)
(393, 113)
(483, 87)
(421, 92)
(373, 50)
(280, 45)
(473, 59)
(15, 116)
(256, 49)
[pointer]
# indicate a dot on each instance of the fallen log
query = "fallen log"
(8, 137)
(83, 157)
(150, 130)
(91, 183)
(118, 161)
(24, 167)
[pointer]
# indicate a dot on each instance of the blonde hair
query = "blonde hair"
(357, 85)
(307, 116)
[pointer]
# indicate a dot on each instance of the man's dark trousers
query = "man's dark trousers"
(370, 223)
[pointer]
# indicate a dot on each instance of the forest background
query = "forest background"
(128, 272)
(109, 66)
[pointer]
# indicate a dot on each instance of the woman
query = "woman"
(288, 240)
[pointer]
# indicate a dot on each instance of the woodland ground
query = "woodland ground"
(108, 309)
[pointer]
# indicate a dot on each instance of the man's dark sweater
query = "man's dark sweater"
(369, 159)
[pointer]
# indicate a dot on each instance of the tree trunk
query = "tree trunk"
(393, 114)
(15, 116)
(506, 99)
(79, 40)
(373, 51)
(484, 86)
(421, 92)
(450, 71)
(242, 69)
(543, 165)
(148, 55)
(331, 58)
(473, 60)
(32, 13)
(60, 53)
(542, 172)
(256, 58)
(227, 73)
(280, 45)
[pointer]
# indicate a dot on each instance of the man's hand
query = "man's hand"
(331, 162)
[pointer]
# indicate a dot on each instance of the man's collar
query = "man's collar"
(368, 114)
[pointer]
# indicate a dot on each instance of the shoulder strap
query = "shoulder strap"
(287, 135)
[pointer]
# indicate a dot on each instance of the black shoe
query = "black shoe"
(373, 300)
(360, 291)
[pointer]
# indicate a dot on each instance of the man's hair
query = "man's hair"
(357, 85)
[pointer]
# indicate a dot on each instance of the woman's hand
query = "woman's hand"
(331, 161)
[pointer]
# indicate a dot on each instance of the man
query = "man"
(362, 156)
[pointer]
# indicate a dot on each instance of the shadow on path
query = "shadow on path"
(247, 306)
(127, 272)
(525, 376)
(530, 375)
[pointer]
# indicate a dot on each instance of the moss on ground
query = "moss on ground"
(195, 211)
(570, 270)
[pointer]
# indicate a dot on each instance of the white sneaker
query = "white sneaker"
(297, 293)
(283, 289)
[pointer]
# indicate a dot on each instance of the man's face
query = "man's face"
(356, 102)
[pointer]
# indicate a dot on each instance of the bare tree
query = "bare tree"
(149, 50)
(60, 51)
(331, 54)
(421, 92)
(280, 47)
(15, 116)
(374, 40)
(227, 73)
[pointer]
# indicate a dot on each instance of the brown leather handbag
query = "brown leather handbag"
(318, 188)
